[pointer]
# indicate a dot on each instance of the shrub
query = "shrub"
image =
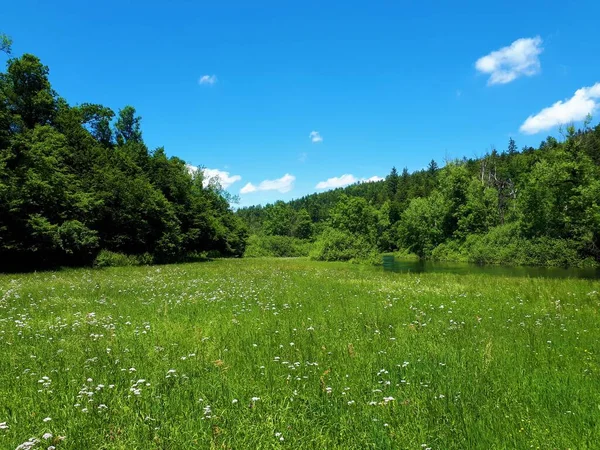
(278, 246)
(505, 244)
(551, 252)
(107, 258)
(78, 242)
(500, 245)
(450, 251)
(337, 245)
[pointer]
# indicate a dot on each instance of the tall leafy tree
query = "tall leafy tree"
(26, 89)
(128, 126)
(303, 226)
(421, 227)
(391, 184)
(279, 219)
(512, 147)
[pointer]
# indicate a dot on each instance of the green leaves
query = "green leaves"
(5, 43)
(67, 191)
(421, 225)
(29, 97)
(127, 128)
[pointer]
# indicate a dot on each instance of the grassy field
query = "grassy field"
(295, 354)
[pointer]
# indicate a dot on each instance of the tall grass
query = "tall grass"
(274, 353)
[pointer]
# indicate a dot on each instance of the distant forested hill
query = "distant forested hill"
(534, 206)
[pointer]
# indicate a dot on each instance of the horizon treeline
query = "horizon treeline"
(534, 206)
(78, 185)
(78, 180)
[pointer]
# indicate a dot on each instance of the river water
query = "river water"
(512, 271)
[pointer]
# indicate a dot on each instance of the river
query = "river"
(511, 271)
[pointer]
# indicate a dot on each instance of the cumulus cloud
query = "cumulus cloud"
(584, 102)
(345, 180)
(373, 179)
(208, 79)
(315, 137)
(337, 182)
(283, 184)
(223, 177)
(509, 63)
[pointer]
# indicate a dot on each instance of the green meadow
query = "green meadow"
(288, 353)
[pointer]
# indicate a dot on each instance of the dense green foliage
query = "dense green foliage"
(269, 353)
(75, 180)
(277, 246)
(537, 206)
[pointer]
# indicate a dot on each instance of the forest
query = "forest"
(534, 206)
(78, 185)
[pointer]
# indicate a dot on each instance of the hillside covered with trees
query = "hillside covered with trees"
(78, 186)
(534, 206)
(78, 183)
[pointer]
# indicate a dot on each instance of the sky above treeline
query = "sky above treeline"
(282, 99)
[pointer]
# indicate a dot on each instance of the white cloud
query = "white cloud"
(248, 189)
(336, 182)
(584, 102)
(509, 63)
(283, 184)
(345, 180)
(303, 157)
(207, 79)
(315, 137)
(373, 179)
(222, 176)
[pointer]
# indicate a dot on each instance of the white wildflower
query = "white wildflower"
(28, 444)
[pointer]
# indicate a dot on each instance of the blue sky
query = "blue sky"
(382, 83)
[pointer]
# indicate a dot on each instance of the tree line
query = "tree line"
(534, 206)
(78, 185)
(76, 181)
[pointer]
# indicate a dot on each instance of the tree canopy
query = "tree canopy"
(534, 206)
(75, 181)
